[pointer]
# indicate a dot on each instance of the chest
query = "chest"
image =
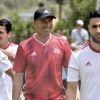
(40, 54)
(89, 65)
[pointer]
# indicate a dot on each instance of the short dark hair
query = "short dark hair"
(94, 14)
(7, 24)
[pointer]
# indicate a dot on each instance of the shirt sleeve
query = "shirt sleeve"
(73, 70)
(5, 64)
(13, 48)
(67, 54)
(19, 63)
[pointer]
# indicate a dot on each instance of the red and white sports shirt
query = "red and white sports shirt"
(7, 79)
(86, 67)
(5, 65)
(42, 64)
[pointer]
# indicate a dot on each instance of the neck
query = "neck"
(43, 37)
(4, 46)
(95, 46)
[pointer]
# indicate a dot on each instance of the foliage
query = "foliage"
(21, 28)
(61, 26)
(80, 10)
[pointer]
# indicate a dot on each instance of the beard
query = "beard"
(96, 40)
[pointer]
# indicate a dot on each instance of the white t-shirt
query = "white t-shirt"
(13, 49)
(5, 64)
(86, 67)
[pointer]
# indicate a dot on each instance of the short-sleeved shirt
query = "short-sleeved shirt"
(86, 67)
(5, 64)
(13, 49)
(42, 64)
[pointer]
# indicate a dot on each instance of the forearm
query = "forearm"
(70, 95)
(78, 94)
(71, 91)
(10, 73)
(17, 86)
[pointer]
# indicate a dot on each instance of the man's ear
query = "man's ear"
(9, 34)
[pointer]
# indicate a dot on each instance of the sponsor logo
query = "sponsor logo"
(88, 64)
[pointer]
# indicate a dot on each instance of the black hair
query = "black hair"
(94, 14)
(7, 24)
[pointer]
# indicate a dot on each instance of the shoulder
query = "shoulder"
(13, 45)
(82, 49)
(59, 39)
(60, 42)
(74, 30)
(84, 30)
(26, 41)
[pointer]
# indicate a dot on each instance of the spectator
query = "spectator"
(78, 35)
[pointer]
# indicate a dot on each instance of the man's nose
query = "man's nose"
(98, 29)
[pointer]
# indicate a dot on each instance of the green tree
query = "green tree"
(80, 10)
(19, 26)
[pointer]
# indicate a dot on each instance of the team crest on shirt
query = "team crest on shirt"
(57, 51)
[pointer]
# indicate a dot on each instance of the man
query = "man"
(78, 35)
(8, 48)
(87, 67)
(5, 66)
(41, 58)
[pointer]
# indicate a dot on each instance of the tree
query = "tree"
(80, 10)
(60, 4)
(21, 29)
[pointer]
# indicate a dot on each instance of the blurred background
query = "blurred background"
(20, 13)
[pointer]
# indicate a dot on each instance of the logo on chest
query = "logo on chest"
(33, 53)
(88, 63)
(57, 51)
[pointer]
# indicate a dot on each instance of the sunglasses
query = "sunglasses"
(95, 26)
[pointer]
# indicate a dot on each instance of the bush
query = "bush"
(21, 29)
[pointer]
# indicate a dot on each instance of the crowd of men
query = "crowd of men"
(41, 58)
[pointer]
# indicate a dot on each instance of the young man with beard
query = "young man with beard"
(41, 58)
(86, 65)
